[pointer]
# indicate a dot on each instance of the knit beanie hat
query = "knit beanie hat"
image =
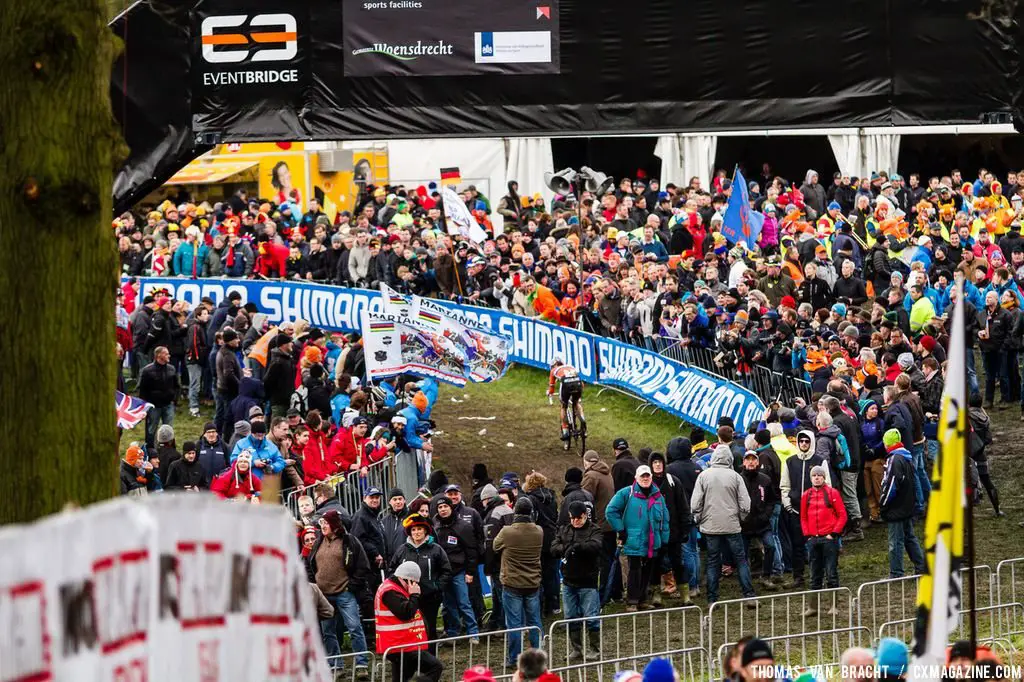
(574, 475)
(165, 434)
(523, 506)
(763, 437)
(659, 670)
(892, 439)
(420, 401)
(817, 470)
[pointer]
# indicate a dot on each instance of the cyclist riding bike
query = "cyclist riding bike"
(570, 388)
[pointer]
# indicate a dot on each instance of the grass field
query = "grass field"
(509, 426)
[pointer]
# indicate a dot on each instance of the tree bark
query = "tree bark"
(58, 266)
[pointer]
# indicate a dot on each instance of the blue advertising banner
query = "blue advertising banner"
(683, 391)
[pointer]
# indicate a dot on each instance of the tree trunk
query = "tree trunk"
(58, 266)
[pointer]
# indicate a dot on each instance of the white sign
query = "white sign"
(176, 587)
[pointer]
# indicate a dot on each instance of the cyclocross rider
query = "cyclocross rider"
(570, 388)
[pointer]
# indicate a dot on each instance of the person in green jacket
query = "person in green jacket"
(639, 515)
(921, 311)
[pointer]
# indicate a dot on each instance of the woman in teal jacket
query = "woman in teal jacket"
(639, 515)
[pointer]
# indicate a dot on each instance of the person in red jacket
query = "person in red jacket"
(348, 449)
(238, 481)
(822, 520)
(317, 464)
(272, 259)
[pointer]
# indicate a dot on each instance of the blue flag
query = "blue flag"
(740, 223)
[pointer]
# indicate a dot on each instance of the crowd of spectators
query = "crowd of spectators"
(849, 288)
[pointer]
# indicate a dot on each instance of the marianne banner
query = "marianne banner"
(686, 392)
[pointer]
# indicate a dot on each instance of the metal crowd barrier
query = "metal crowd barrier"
(820, 650)
(780, 615)
(291, 500)
(459, 653)
(894, 600)
(344, 666)
(354, 486)
(989, 618)
(629, 640)
(1009, 586)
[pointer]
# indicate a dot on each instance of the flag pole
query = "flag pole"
(972, 613)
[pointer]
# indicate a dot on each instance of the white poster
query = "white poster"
(177, 587)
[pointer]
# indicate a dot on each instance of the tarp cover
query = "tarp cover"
(266, 70)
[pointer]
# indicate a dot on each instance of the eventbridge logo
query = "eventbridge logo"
(410, 51)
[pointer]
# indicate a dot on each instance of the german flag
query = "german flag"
(450, 176)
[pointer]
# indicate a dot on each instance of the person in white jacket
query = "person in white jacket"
(719, 503)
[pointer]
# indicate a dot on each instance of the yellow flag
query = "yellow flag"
(939, 592)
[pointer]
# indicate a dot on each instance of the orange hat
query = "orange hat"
(133, 456)
(420, 401)
(311, 354)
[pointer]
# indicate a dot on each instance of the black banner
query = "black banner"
(648, 66)
(449, 37)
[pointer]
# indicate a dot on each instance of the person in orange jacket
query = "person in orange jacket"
(822, 520)
(542, 299)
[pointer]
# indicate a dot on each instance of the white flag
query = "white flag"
(460, 220)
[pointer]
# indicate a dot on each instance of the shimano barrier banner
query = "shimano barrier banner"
(680, 390)
(674, 387)
(449, 37)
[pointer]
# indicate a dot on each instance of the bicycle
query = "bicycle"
(577, 434)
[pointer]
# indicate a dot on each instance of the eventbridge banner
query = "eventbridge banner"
(683, 391)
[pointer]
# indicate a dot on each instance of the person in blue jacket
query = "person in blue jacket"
(390, 396)
(1002, 281)
(639, 515)
(191, 254)
(415, 423)
(651, 245)
(266, 458)
(430, 388)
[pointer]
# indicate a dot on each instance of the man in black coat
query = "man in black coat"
(757, 524)
(624, 469)
(578, 545)
(391, 523)
(574, 492)
(682, 466)
(226, 308)
(229, 378)
(279, 379)
(158, 385)
(471, 516)
(186, 473)
(366, 528)
(457, 539)
(213, 454)
(679, 521)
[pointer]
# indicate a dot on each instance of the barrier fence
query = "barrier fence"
(626, 641)
(807, 629)
(488, 649)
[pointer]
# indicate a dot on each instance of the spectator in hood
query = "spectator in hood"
(186, 473)
(338, 566)
(720, 503)
(680, 519)
(682, 466)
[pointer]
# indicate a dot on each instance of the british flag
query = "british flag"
(130, 410)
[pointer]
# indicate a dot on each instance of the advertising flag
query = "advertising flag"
(460, 220)
(486, 353)
(741, 223)
(382, 344)
(394, 302)
(939, 593)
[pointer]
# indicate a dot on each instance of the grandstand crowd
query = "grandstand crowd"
(848, 288)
